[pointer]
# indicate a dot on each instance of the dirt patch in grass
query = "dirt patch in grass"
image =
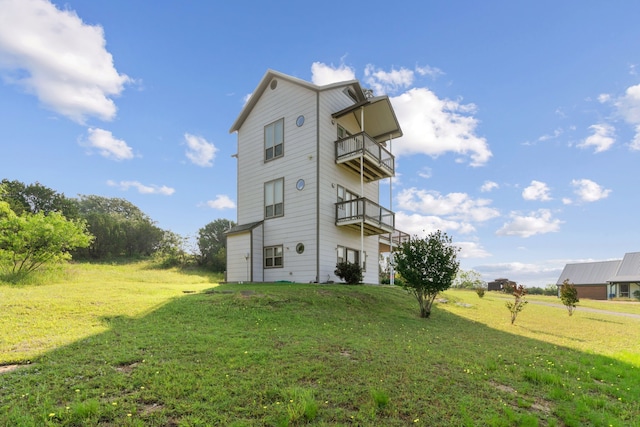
(8, 368)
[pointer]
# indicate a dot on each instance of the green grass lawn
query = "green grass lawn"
(129, 345)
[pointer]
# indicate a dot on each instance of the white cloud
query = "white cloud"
(538, 222)
(432, 72)
(107, 145)
(435, 126)
(322, 74)
(221, 202)
(536, 191)
(59, 58)
(431, 125)
(488, 186)
(602, 139)
(425, 172)
(142, 189)
(589, 191)
(527, 274)
(199, 151)
(629, 108)
(453, 205)
(383, 82)
(471, 250)
(421, 225)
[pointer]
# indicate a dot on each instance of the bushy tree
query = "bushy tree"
(29, 241)
(569, 296)
(517, 305)
(212, 244)
(468, 279)
(350, 272)
(428, 266)
(120, 228)
(35, 198)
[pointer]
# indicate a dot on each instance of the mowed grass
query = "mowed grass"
(139, 351)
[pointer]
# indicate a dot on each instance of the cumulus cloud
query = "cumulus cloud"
(53, 54)
(629, 108)
(589, 191)
(199, 151)
(221, 202)
(457, 206)
(384, 82)
(431, 125)
(432, 72)
(602, 139)
(142, 189)
(527, 274)
(435, 126)
(472, 250)
(421, 225)
(488, 186)
(322, 74)
(107, 145)
(537, 222)
(536, 191)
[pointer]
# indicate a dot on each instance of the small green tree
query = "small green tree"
(350, 272)
(212, 244)
(569, 296)
(468, 279)
(428, 266)
(30, 241)
(518, 304)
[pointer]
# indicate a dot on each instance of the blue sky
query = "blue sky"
(521, 120)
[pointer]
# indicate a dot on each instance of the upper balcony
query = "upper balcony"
(360, 152)
(362, 212)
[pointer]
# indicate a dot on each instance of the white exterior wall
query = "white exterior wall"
(298, 224)
(238, 245)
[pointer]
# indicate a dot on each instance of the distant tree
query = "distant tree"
(120, 228)
(212, 244)
(35, 198)
(569, 296)
(428, 266)
(468, 279)
(551, 289)
(517, 305)
(29, 241)
(171, 250)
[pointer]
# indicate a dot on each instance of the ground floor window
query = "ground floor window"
(352, 256)
(273, 257)
(624, 290)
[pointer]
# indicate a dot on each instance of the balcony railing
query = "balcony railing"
(364, 213)
(378, 162)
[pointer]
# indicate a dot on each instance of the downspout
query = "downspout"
(317, 187)
(361, 257)
(391, 271)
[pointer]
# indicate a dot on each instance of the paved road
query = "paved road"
(587, 309)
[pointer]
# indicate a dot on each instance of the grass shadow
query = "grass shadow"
(268, 354)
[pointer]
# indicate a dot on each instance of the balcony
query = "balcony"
(361, 212)
(397, 238)
(377, 161)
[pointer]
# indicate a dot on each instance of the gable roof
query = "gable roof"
(629, 270)
(266, 81)
(589, 273)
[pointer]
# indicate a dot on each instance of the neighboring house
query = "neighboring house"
(310, 160)
(500, 284)
(604, 279)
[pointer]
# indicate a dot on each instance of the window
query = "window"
(624, 290)
(348, 209)
(352, 256)
(273, 257)
(342, 132)
(274, 140)
(274, 198)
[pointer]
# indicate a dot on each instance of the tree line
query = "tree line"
(114, 228)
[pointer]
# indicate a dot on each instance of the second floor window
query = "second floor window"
(274, 140)
(274, 198)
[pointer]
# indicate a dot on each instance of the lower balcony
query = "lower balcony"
(365, 214)
(387, 241)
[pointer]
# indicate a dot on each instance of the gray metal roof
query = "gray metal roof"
(243, 227)
(629, 270)
(589, 273)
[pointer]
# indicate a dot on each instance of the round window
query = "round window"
(300, 248)
(300, 121)
(274, 84)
